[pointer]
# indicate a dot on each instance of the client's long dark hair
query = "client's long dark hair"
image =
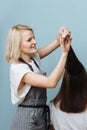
(72, 97)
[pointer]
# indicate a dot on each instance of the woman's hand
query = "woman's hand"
(64, 38)
(65, 33)
(65, 44)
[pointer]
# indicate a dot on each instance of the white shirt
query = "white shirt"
(17, 71)
(67, 121)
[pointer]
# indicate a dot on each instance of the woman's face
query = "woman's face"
(28, 42)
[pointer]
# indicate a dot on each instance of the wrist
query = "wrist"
(65, 53)
(58, 42)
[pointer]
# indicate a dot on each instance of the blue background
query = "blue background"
(45, 17)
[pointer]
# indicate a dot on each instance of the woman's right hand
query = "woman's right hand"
(65, 44)
(64, 38)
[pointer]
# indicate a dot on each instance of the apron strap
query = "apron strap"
(36, 63)
(22, 60)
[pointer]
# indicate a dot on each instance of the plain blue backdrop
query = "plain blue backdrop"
(45, 17)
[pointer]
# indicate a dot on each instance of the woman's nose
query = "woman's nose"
(34, 41)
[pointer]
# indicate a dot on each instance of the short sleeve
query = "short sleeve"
(17, 71)
(51, 113)
(86, 120)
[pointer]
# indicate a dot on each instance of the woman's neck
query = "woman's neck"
(26, 57)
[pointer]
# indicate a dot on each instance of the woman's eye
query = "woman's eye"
(29, 39)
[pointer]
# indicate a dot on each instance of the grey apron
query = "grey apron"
(32, 113)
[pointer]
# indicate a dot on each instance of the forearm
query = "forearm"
(46, 50)
(58, 71)
(42, 81)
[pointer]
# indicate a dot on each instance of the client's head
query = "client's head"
(73, 91)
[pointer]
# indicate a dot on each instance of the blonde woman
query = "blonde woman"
(28, 81)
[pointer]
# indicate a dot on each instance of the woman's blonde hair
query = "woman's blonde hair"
(13, 42)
